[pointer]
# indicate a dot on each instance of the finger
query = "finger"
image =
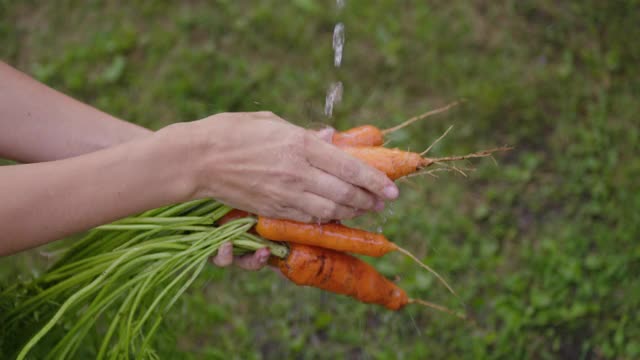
(324, 209)
(333, 188)
(326, 134)
(224, 257)
(338, 163)
(253, 262)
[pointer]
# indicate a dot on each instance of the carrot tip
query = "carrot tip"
(428, 268)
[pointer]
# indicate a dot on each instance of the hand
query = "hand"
(253, 262)
(260, 163)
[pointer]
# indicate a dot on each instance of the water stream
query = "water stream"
(334, 97)
(334, 92)
(338, 44)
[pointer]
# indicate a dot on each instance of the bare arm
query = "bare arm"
(252, 161)
(38, 123)
(47, 201)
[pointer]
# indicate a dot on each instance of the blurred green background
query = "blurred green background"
(543, 248)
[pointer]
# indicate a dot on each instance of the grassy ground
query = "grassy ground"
(543, 248)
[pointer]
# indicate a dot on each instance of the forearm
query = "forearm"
(38, 123)
(48, 201)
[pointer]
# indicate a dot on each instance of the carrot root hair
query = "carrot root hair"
(461, 170)
(437, 307)
(479, 154)
(420, 117)
(429, 269)
(437, 141)
(444, 167)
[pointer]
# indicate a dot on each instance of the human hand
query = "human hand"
(262, 164)
(252, 262)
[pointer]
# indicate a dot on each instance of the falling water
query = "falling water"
(334, 93)
(334, 96)
(338, 44)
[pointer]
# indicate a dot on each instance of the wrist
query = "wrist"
(174, 151)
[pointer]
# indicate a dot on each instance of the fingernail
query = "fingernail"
(391, 191)
(379, 206)
(326, 134)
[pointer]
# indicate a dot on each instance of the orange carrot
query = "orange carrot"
(397, 163)
(331, 236)
(369, 135)
(344, 274)
(393, 162)
(366, 135)
(335, 237)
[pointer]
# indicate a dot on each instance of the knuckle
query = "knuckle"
(350, 171)
(368, 201)
(329, 211)
(285, 178)
(347, 194)
(382, 180)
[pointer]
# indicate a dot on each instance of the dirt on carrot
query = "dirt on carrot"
(341, 273)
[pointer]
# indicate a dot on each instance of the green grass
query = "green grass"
(544, 248)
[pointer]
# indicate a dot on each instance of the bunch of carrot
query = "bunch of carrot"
(319, 254)
(131, 272)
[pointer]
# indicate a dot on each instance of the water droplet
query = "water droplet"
(338, 44)
(389, 210)
(340, 3)
(334, 96)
